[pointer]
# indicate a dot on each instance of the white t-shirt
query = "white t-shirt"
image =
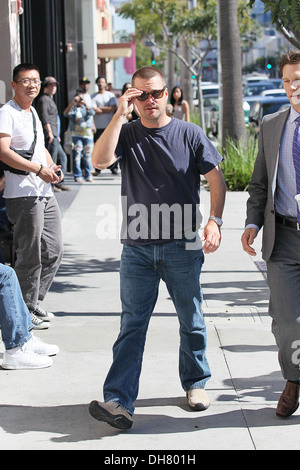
(103, 99)
(18, 123)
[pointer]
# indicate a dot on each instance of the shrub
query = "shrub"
(238, 163)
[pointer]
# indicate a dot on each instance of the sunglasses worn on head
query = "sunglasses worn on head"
(156, 94)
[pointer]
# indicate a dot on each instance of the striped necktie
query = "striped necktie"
(296, 158)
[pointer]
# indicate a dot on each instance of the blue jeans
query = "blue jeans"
(15, 320)
(142, 268)
(82, 155)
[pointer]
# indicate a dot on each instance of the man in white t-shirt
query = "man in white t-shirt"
(105, 105)
(30, 204)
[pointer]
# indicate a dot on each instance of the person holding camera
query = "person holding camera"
(82, 124)
(48, 114)
(30, 203)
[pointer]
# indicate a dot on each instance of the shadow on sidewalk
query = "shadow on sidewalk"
(72, 423)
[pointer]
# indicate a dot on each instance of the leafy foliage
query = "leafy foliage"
(285, 14)
(238, 163)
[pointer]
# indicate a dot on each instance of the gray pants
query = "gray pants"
(284, 283)
(38, 244)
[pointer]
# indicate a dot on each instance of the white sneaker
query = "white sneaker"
(23, 358)
(38, 346)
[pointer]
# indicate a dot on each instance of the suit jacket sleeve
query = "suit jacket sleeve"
(258, 187)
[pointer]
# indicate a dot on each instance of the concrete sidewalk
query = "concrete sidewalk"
(48, 409)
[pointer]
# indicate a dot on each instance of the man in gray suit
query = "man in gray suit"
(272, 204)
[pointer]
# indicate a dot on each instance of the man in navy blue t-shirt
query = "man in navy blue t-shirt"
(161, 160)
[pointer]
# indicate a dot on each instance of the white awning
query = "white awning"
(114, 50)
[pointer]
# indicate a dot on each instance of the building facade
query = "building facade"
(67, 39)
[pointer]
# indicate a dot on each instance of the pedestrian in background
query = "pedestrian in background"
(272, 205)
(181, 109)
(105, 105)
(81, 121)
(48, 114)
(84, 86)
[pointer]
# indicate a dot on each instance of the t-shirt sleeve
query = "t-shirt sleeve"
(112, 101)
(207, 156)
(6, 122)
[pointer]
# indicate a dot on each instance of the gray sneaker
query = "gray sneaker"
(112, 413)
(42, 314)
(37, 323)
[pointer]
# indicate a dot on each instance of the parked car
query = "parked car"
(248, 102)
(277, 82)
(208, 90)
(254, 78)
(263, 106)
(257, 88)
(273, 92)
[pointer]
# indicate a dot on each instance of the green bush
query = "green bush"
(239, 159)
(238, 163)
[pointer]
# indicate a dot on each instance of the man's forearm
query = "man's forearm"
(217, 189)
(105, 109)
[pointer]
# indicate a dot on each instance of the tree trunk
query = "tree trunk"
(200, 100)
(233, 123)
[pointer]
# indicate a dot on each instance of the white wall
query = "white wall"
(10, 47)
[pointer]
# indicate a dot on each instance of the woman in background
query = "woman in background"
(181, 109)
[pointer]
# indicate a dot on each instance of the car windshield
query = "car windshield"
(269, 108)
(257, 88)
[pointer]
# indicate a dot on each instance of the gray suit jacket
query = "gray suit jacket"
(260, 205)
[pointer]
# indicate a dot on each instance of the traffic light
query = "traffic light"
(153, 61)
(269, 66)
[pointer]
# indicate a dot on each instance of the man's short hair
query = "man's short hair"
(148, 72)
(100, 76)
(23, 68)
(289, 58)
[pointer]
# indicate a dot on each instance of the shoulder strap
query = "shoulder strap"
(34, 131)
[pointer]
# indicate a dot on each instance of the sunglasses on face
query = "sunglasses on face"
(156, 94)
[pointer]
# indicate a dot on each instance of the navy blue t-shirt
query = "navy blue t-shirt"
(161, 170)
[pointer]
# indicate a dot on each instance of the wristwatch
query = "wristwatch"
(216, 219)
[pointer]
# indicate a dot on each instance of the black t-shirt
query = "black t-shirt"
(47, 111)
(161, 170)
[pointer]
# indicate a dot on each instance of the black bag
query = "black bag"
(28, 154)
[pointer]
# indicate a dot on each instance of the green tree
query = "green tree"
(285, 15)
(233, 124)
(162, 21)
